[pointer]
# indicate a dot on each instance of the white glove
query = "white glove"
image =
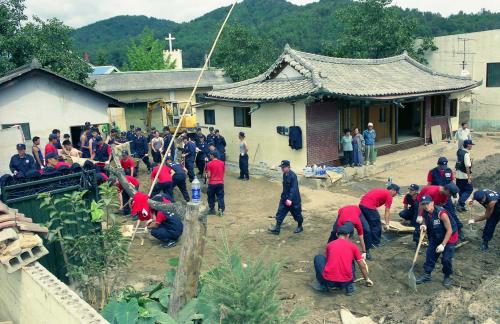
(149, 222)
(440, 248)
(423, 227)
(471, 221)
(363, 256)
(420, 219)
(368, 282)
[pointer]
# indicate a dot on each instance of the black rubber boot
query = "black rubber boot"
(424, 278)
(368, 256)
(275, 229)
(447, 281)
(299, 229)
(484, 246)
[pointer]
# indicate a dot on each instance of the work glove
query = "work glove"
(423, 228)
(363, 256)
(440, 248)
(471, 221)
(369, 282)
(420, 219)
(386, 227)
(288, 203)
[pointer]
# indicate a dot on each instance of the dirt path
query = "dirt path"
(251, 207)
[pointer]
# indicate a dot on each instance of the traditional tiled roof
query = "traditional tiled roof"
(157, 80)
(388, 78)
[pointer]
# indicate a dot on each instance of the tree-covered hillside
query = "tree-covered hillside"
(307, 28)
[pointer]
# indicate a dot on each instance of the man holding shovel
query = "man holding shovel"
(490, 200)
(442, 232)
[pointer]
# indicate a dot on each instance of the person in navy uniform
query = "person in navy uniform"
(102, 154)
(211, 136)
(199, 134)
(410, 205)
(166, 227)
(490, 200)
(21, 162)
(58, 135)
(201, 156)
(189, 155)
(220, 145)
(179, 177)
(167, 137)
(441, 175)
(442, 232)
(290, 200)
(141, 148)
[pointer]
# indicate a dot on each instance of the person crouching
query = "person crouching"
(337, 269)
(165, 227)
(442, 232)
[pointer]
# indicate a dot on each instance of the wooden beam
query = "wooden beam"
(193, 242)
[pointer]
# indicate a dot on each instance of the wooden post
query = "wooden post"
(191, 255)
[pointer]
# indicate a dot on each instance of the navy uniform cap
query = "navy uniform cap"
(284, 163)
(52, 155)
(425, 199)
(479, 195)
(20, 146)
(442, 161)
(347, 228)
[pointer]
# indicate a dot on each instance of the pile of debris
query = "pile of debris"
(19, 241)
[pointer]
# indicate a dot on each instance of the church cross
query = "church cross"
(170, 39)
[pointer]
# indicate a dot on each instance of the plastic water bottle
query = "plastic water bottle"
(196, 190)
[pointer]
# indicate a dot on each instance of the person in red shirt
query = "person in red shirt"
(369, 203)
(353, 214)
(50, 147)
(215, 171)
(164, 183)
(53, 161)
(441, 175)
(123, 196)
(336, 269)
(442, 234)
(128, 164)
(166, 227)
(441, 196)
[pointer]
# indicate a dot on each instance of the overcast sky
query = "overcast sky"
(77, 13)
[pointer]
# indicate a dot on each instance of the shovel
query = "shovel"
(412, 281)
(471, 226)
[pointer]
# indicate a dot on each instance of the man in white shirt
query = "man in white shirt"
(464, 174)
(462, 134)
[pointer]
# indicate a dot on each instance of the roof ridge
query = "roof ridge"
(427, 69)
(344, 60)
(314, 73)
(170, 71)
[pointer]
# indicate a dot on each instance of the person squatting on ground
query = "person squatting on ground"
(441, 196)
(243, 159)
(189, 155)
(464, 174)
(290, 200)
(178, 177)
(353, 215)
(370, 136)
(442, 233)
(336, 269)
(410, 205)
(215, 171)
(164, 183)
(440, 175)
(490, 200)
(369, 203)
(165, 227)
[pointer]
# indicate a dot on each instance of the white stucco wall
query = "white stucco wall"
(265, 144)
(46, 103)
(482, 48)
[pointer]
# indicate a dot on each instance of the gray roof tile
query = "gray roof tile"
(393, 77)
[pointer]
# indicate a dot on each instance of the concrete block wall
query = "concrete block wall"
(34, 295)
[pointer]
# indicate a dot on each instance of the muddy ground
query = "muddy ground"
(251, 207)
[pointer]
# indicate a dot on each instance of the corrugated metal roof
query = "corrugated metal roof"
(158, 80)
(393, 77)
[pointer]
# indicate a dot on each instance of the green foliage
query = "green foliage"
(121, 312)
(242, 54)
(238, 292)
(146, 53)
(93, 254)
(372, 29)
(307, 28)
(48, 41)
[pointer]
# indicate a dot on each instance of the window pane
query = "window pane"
(493, 75)
(24, 126)
(209, 116)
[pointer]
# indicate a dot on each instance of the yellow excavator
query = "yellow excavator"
(171, 114)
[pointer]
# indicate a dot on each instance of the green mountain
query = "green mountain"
(306, 28)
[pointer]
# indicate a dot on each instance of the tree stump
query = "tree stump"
(193, 242)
